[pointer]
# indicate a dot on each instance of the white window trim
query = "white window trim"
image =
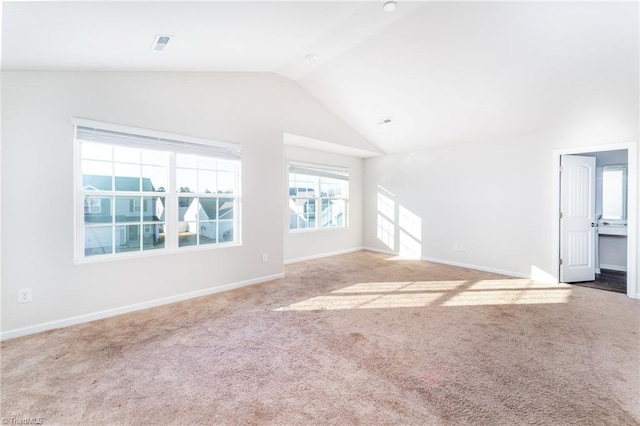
(171, 212)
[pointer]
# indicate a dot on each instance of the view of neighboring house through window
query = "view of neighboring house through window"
(116, 182)
(133, 193)
(208, 209)
(318, 196)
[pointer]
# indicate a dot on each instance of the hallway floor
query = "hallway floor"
(608, 280)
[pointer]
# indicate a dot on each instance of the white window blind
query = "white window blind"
(140, 138)
(341, 173)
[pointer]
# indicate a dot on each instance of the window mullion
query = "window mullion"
(318, 211)
(319, 203)
(112, 212)
(141, 218)
(171, 206)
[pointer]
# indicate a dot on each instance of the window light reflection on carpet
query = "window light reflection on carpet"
(384, 295)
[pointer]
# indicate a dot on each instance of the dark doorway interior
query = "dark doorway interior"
(608, 280)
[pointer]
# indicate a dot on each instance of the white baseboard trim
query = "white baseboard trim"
(613, 267)
(377, 250)
(478, 267)
(459, 264)
(320, 256)
(67, 322)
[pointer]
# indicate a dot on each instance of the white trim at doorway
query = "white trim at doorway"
(632, 208)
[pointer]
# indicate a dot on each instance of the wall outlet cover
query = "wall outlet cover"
(24, 295)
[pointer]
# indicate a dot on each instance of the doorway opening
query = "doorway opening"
(597, 249)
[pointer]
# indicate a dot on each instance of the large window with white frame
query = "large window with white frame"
(141, 191)
(318, 196)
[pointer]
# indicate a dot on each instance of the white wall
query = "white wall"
(301, 245)
(479, 204)
(492, 197)
(37, 171)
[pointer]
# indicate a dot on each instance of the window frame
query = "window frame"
(170, 194)
(319, 172)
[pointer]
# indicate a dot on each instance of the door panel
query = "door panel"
(577, 231)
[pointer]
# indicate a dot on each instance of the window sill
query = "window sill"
(311, 230)
(152, 253)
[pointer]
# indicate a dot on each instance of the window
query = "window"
(133, 188)
(318, 196)
(134, 206)
(92, 205)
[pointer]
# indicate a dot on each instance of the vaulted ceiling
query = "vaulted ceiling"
(441, 72)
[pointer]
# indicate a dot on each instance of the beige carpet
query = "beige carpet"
(355, 339)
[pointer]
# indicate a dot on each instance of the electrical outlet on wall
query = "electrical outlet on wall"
(24, 295)
(265, 257)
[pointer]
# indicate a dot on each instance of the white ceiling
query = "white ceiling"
(443, 72)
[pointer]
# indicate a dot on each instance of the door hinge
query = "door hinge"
(560, 261)
(560, 169)
(560, 215)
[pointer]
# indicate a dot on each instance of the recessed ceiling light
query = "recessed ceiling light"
(384, 121)
(389, 6)
(311, 58)
(160, 42)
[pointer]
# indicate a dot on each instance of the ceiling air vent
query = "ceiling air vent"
(160, 42)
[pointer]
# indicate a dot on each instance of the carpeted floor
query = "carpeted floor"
(361, 338)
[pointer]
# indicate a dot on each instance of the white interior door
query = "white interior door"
(577, 218)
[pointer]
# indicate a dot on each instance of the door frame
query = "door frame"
(632, 207)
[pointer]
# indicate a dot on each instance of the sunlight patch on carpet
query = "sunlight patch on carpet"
(509, 297)
(380, 295)
(384, 287)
